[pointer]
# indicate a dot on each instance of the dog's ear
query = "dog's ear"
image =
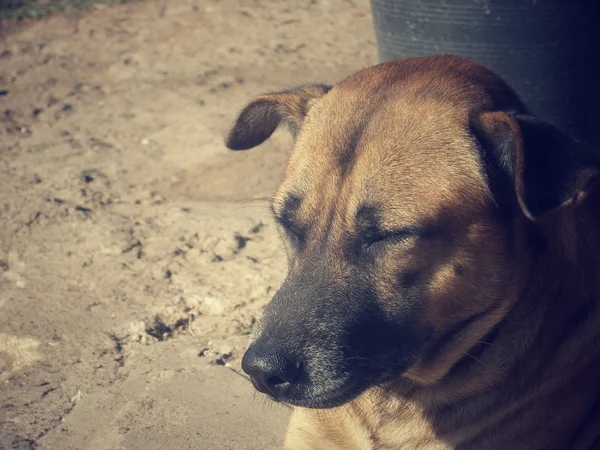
(258, 120)
(547, 167)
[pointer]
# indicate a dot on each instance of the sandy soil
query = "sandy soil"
(135, 250)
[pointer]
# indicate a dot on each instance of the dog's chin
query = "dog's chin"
(336, 394)
(332, 392)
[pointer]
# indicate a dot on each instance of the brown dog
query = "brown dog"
(444, 278)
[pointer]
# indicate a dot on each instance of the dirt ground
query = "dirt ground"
(135, 250)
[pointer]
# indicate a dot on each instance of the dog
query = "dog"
(444, 265)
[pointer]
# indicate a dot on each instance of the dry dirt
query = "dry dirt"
(135, 250)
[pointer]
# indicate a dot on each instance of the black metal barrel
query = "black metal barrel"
(548, 50)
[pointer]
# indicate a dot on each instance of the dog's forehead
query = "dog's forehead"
(387, 144)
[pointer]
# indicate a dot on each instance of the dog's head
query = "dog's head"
(399, 213)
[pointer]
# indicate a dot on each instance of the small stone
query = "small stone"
(105, 199)
(226, 351)
(157, 198)
(77, 397)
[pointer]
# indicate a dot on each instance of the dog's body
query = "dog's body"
(444, 250)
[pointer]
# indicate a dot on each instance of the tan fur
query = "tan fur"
(536, 385)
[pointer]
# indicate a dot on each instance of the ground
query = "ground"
(136, 251)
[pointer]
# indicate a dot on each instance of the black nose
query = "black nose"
(270, 370)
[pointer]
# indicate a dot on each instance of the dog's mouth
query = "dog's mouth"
(344, 393)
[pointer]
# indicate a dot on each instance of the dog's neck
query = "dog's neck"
(560, 293)
(561, 297)
(544, 343)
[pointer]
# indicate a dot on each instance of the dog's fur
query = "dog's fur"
(444, 277)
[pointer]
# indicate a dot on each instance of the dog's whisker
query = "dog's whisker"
(254, 199)
(476, 359)
(408, 397)
(347, 410)
(374, 406)
(252, 206)
(491, 344)
(361, 358)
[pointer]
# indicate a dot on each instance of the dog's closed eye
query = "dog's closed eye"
(375, 240)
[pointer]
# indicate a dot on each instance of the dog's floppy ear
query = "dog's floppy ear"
(258, 120)
(548, 168)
